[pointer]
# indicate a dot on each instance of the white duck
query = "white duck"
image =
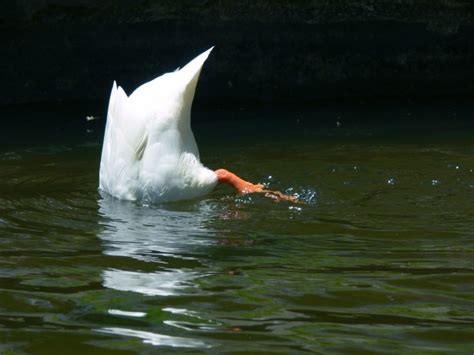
(149, 151)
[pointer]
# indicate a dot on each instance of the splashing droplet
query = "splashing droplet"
(307, 196)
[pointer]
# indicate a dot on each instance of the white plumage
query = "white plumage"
(149, 151)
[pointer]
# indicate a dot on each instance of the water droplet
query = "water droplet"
(391, 181)
(355, 167)
(434, 182)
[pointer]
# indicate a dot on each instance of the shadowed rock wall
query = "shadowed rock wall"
(266, 51)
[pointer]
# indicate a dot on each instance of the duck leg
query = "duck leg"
(244, 187)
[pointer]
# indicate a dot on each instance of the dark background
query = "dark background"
(267, 52)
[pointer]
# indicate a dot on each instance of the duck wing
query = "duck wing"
(125, 141)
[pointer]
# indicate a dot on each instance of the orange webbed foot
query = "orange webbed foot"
(242, 186)
(278, 196)
(245, 187)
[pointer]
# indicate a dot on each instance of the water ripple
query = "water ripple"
(377, 258)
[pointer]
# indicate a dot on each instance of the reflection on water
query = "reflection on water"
(161, 235)
(152, 233)
(156, 235)
(156, 339)
(118, 312)
(162, 283)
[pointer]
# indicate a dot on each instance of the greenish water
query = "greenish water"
(380, 259)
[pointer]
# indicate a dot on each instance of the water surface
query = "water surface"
(379, 259)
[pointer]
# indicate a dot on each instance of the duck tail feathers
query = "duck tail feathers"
(190, 75)
(193, 68)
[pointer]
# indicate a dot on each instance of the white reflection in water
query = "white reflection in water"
(163, 283)
(197, 321)
(156, 339)
(118, 312)
(173, 239)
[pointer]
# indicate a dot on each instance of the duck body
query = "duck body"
(149, 151)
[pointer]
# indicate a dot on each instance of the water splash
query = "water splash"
(245, 199)
(304, 195)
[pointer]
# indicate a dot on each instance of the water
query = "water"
(379, 259)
